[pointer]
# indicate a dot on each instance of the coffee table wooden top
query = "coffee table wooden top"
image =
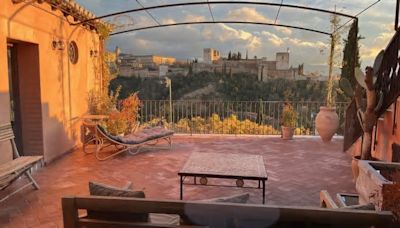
(225, 165)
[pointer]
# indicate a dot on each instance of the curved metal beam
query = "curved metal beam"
(222, 22)
(219, 3)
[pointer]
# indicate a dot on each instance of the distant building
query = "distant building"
(210, 55)
(263, 68)
(278, 68)
(144, 65)
(154, 60)
(146, 60)
(282, 60)
(163, 70)
(178, 70)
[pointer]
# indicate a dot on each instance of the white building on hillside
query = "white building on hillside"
(210, 55)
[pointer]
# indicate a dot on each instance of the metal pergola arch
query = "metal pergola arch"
(208, 3)
(221, 22)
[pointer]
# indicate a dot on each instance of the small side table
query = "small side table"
(89, 133)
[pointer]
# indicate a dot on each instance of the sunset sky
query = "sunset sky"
(187, 42)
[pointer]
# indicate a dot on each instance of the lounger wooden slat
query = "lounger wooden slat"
(20, 165)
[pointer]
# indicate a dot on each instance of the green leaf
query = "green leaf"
(345, 85)
(360, 77)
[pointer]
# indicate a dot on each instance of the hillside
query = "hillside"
(215, 86)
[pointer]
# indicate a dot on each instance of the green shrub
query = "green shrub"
(289, 116)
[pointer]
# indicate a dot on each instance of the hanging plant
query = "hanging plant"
(335, 42)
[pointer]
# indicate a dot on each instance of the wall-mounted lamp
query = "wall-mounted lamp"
(94, 53)
(58, 45)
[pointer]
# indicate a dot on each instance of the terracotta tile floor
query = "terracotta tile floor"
(297, 171)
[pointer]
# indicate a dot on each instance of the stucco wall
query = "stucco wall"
(386, 134)
(5, 149)
(64, 86)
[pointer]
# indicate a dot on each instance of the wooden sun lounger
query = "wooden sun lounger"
(138, 140)
(21, 165)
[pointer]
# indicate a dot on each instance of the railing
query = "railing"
(232, 117)
(388, 82)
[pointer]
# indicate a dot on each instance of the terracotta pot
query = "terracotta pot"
(287, 132)
(354, 167)
(327, 123)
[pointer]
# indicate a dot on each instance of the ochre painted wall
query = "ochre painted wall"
(63, 86)
(386, 135)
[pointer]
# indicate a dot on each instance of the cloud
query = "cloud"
(273, 38)
(288, 41)
(370, 49)
(195, 18)
(168, 21)
(230, 35)
(229, 32)
(188, 41)
(247, 14)
(302, 43)
(284, 30)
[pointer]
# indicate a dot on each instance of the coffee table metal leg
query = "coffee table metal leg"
(263, 184)
(259, 183)
(181, 196)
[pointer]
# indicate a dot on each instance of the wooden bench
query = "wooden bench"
(21, 165)
(326, 201)
(195, 214)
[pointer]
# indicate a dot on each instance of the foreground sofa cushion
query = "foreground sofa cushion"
(97, 189)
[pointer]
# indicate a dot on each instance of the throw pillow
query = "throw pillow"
(97, 189)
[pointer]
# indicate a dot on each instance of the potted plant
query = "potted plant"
(327, 120)
(289, 120)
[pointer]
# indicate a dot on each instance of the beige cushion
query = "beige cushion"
(97, 189)
(167, 219)
(240, 198)
(155, 218)
(170, 219)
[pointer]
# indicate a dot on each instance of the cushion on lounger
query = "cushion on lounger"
(134, 138)
(113, 137)
(97, 189)
(146, 134)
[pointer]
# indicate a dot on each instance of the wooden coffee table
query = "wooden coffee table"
(226, 166)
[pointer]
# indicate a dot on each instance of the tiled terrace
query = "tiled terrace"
(297, 171)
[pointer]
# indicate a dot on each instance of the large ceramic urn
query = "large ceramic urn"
(327, 122)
